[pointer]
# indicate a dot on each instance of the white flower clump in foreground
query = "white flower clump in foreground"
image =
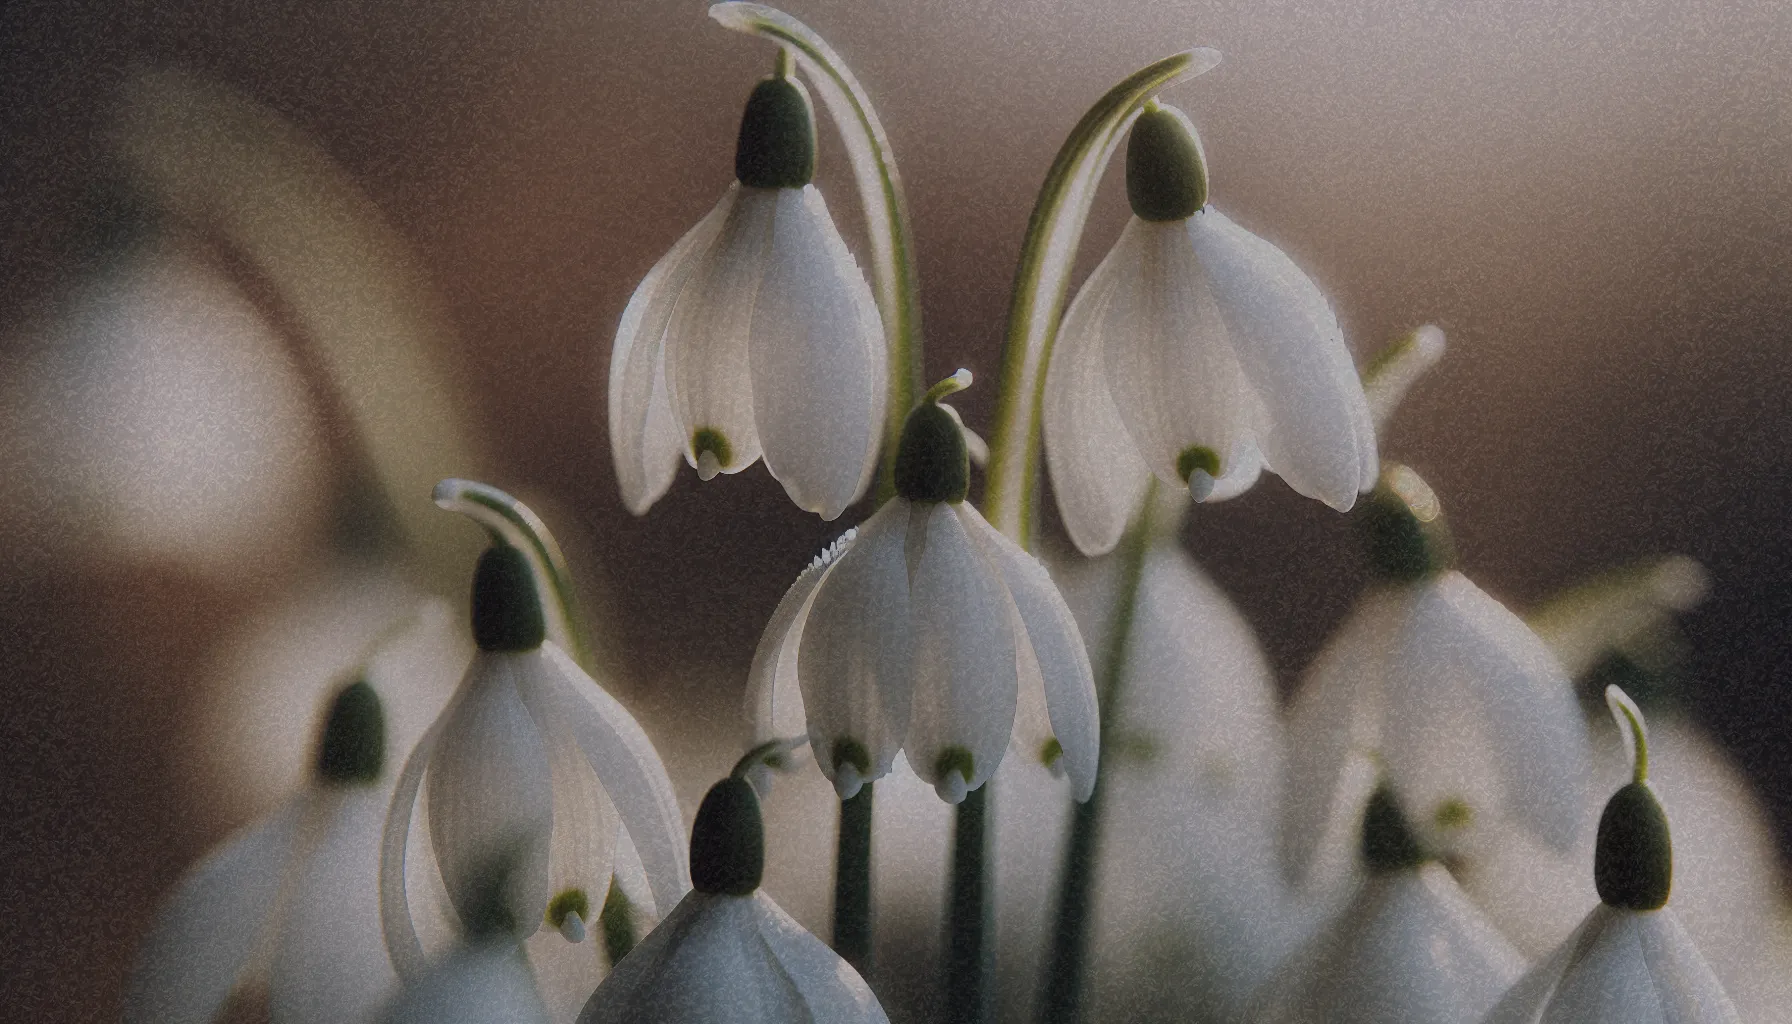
(928, 632)
(1462, 707)
(1409, 948)
(533, 762)
(294, 898)
(1197, 352)
(727, 952)
(1630, 962)
(756, 335)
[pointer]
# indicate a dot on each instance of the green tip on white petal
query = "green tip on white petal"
(852, 763)
(568, 911)
(955, 768)
(714, 453)
(1630, 723)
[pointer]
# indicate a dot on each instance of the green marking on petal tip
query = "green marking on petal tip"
(1050, 751)
(851, 751)
(956, 759)
(1453, 813)
(1197, 457)
(713, 443)
(569, 901)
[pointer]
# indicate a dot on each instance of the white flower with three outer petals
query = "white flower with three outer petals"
(927, 631)
(1466, 711)
(1200, 353)
(534, 762)
(292, 899)
(755, 335)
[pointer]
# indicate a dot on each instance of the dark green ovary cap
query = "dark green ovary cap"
(776, 148)
(506, 607)
(1633, 861)
(728, 840)
(1166, 170)
(932, 463)
(1404, 531)
(352, 750)
(1388, 842)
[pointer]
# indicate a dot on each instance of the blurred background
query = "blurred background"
(269, 271)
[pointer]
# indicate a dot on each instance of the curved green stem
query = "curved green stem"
(1042, 282)
(1630, 720)
(880, 193)
(516, 524)
(1062, 998)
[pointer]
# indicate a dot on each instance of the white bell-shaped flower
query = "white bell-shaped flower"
(1462, 707)
(1630, 961)
(727, 952)
(293, 900)
(1409, 948)
(534, 762)
(927, 631)
(1197, 352)
(757, 335)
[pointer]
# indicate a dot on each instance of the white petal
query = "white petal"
(396, 864)
(1529, 719)
(774, 700)
(1063, 676)
(331, 964)
(965, 670)
(1318, 435)
(831, 990)
(627, 765)
(1333, 718)
(854, 660)
(1689, 992)
(1607, 981)
(1525, 1001)
(644, 436)
(491, 795)
(817, 356)
(1097, 474)
(708, 379)
(209, 930)
(481, 984)
(585, 823)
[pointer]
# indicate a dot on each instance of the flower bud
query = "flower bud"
(353, 747)
(728, 840)
(506, 608)
(1403, 528)
(776, 148)
(1633, 861)
(1166, 171)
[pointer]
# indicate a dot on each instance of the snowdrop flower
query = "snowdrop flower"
(1463, 709)
(292, 898)
(927, 631)
(727, 952)
(1630, 961)
(533, 759)
(1409, 949)
(756, 335)
(1197, 352)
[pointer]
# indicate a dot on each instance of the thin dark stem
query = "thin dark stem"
(1062, 999)
(852, 882)
(969, 951)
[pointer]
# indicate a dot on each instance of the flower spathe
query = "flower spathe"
(755, 336)
(927, 631)
(1200, 353)
(532, 762)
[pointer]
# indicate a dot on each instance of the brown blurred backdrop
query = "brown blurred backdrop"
(1593, 200)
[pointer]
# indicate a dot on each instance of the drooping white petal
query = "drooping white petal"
(490, 792)
(708, 377)
(330, 965)
(854, 658)
(644, 435)
(210, 929)
(774, 699)
(1334, 717)
(1689, 991)
(831, 989)
(484, 983)
(1318, 435)
(1061, 672)
(818, 363)
(397, 865)
(1097, 474)
(1458, 637)
(965, 669)
(585, 826)
(1409, 949)
(624, 761)
(1176, 382)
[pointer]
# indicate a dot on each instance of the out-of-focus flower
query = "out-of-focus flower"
(927, 631)
(1461, 706)
(295, 896)
(756, 335)
(532, 761)
(727, 952)
(1409, 949)
(1630, 961)
(1197, 352)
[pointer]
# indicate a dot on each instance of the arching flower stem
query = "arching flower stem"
(1042, 283)
(880, 193)
(1061, 997)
